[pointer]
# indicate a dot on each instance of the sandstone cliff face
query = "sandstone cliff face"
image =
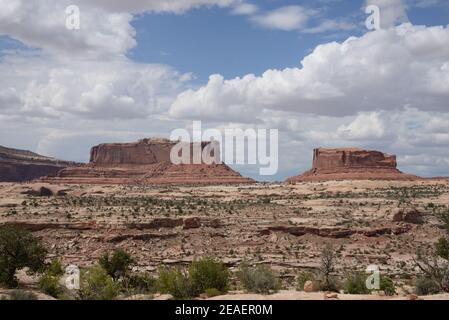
(352, 164)
(20, 165)
(334, 159)
(144, 152)
(145, 162)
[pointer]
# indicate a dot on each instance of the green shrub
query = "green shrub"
(22, 295)
(49, 284)
(55, 268)
(258, 280)
(208, 273)
(303, 277)
(425, 286)
(175, 282)
(356, 284)
(97, 284)
(444, 218)
(140, 284)
(442, 248)
(18, 249)
(118, 264)
(210, 293)
(387, 286)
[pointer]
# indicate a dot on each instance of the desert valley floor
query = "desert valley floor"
(282, 225)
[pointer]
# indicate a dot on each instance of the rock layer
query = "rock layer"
(146, 162)
(20, 165)
(352, 164)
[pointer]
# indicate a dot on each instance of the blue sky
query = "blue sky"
(142, 68)
(212, 40)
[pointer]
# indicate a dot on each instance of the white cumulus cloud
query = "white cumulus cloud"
(386, 69)
(286, 18)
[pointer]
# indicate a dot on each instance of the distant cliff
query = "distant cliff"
(352, 164)
(21, 165)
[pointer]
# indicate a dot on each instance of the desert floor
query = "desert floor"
(281, 225)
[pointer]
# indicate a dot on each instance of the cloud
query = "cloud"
(424, 3)
(418, 138)
(75, 145)
(244, 9)
(116, 88)
(381, 70)
(385, 90)
(300, 19)
(42, 25)
(286, 18)
(365, 126)
(157, 6)
(105, 24)
(80, 72)
(392, 12)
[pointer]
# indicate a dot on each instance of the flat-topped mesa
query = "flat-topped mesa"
(143, 152)
(148, 161)
(352, 164)
(21, 165)
(341, 159)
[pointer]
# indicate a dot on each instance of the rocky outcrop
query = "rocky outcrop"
(37, 226)
(20, 165)
(147, 162)
(336, 232)
(409, 216)
(158, 223)
(352, 164)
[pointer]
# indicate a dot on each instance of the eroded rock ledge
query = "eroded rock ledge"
(334, 232)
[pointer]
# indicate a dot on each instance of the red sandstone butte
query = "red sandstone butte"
(21, 165)
(145, 162)
(352, 164)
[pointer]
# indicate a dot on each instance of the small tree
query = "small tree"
(18, 249)
(328, 258)
(435, 265)
(116, 266)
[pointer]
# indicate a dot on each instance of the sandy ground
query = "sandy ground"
(296, 295)
(257, 223)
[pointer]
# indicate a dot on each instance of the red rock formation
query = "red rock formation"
(143, 152)
(352, 164)
(145, 162)
(20, 165)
